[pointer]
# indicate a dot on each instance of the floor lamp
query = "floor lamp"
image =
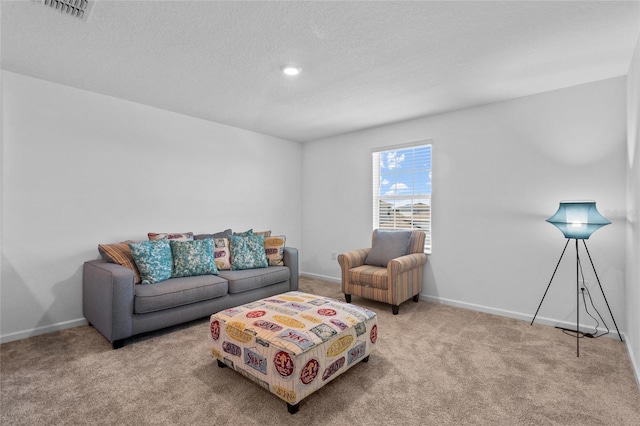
(578, 220)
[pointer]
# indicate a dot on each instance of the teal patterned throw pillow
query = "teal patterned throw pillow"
(153, 259)
(247, 252)
(193, 258)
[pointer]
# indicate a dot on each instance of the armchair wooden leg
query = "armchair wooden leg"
(395, 309)
(416, 297)
(347, 297)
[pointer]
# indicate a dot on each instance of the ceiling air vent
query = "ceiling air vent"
(76, 8)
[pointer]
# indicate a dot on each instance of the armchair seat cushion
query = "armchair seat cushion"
(371, 276)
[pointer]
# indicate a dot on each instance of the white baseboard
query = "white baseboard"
(501, 312)
(480, 308)
(510, 314)
(634, 365)
(19, 335)
(23, 334)
(321, 277)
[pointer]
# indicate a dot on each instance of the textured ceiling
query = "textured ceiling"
(364, 64)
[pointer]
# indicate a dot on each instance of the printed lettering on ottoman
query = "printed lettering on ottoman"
(283, 363)
(309, 371)
(293, 343)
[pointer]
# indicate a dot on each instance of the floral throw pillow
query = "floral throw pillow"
(252, 232)
(247, 252)
(153, 259)
(192, 258)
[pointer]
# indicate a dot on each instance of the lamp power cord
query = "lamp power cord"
(584, 290)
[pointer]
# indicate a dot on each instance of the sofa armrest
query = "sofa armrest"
(406, 263)
(107, 298)
(291, 260)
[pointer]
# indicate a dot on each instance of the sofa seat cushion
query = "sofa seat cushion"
(249, 279)
(370, 276)
(177, 292)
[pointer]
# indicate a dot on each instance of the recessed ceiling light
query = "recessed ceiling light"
(291, 70)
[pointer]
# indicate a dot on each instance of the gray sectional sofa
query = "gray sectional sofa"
(119, 309)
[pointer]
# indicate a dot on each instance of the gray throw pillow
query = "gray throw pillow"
(388, 245)
(221, 234)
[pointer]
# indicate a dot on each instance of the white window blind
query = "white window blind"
(402, 189)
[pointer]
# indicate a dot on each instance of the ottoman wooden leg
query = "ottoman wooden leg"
(347, 298)
(366, 359)
(292, 409)
(395, 309)
(221, 364)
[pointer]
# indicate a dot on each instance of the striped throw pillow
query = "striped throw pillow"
(120, 253)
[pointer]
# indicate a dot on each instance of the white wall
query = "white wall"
(79, 169)
(499, 171)
(633, 211)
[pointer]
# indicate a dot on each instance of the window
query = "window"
(402, 189)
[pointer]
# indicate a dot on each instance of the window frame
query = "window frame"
(415, 198)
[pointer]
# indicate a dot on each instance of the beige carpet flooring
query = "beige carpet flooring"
(435, 365)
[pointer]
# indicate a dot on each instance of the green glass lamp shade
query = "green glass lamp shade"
(578, 219)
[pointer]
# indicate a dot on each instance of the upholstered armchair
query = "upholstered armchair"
(390, 271)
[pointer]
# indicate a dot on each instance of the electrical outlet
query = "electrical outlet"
(584, 286)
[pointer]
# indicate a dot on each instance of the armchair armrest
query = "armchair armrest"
(406, 263)
(352, 258)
